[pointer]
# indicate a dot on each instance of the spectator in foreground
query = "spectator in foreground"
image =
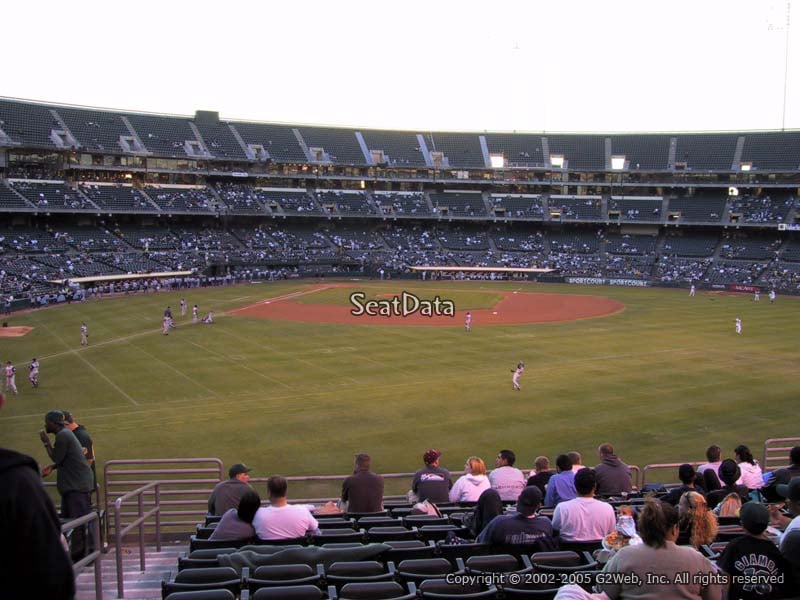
(729, 474)
(752, 478)
(524, 527)
(577, 461)
(228, 494)
(432, 482)
(470, 486)
(561, 486)
(541, 473)
(85, 439)
(237, 523)
(281, 520)
(697, 525)
(363, 490)
(31, 550)
(659, 559)
(613, 475)
(686, 474)
(782, 476)
(754, 554)
(584, 519)
(791, 492)
(74, 478)
(488, 507)
(505, 477)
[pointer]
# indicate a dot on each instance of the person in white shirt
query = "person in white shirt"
(752, 477)
(577, 461)
(183, 307)
(84, 335)
(468, 321)
(195, 317)
(470, 486)
(738, 323)
(505, 478)
(281, 520)
(583, 518)
(692, 290)
(714, 458)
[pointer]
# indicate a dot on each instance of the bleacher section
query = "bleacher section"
(458, 204)
(94, 129)
(761, 209)
(400, 148)
(740, 246)
(576, 242)
(31, 241)
(457, 239)
(706, 151)
(670, 269)
(645, 153)
(150, 238)
(278, 141)
(9, 200)
(339, 145)
(706, 208)
(116, 198)
(461, 150)
(166, 136)
(345, 203)
(219, 140)
(519, 149)
(635, 209)
(240, 198)
(294, 201)
(777, 150)
(517, 207)
(52, 196)
(185, 199)
(630, 244)
(576, 209)
(696, 244)
(586, 152)
(402, 204)
(734, 272)
(28, 124)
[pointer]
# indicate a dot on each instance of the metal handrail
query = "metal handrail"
(786, 444)
(674, 466)
(94, 556)
(139, 522)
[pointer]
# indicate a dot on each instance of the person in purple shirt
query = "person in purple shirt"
(561, 486)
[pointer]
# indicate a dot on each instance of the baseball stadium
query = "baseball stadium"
(202, 292)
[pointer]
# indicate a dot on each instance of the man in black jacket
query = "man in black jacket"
(31, 552)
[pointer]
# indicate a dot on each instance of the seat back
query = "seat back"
(395, 532)
(418, 570)
(290, 592)
(203, 595)
(207, 575)
(496, 563)
(379, 590)
(283, 572)
(439, 589)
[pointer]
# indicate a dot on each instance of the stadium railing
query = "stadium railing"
(93, 557)
(120, 532)
(776, 452)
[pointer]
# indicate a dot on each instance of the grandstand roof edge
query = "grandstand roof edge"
(420, 130)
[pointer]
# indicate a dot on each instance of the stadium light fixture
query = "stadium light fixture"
(745, 167)
(498, 161)
(617, 163)
(557, 160)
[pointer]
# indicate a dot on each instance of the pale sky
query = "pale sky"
(500, 65)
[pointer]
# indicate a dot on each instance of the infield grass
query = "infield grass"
(661, 380)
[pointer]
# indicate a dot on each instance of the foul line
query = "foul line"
(283, 297)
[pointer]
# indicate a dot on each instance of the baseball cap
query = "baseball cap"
(529, 500)
(237, 469)
(431, 456)
(55, 416)
(754, 517)
(790, 491)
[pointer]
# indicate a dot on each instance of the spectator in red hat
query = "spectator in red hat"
(432, 482)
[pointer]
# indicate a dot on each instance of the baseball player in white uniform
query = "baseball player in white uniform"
(33, 372)
(692, 291)
(517, 372)
(468, 322)
(183, 307)
(738, 325)
(84, 335)
(195, 316)
(10, 373)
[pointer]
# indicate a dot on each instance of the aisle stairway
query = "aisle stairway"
(138, 585)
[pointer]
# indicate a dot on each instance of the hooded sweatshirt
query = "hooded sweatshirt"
(613, 476)
(469, 488)
(30, 536)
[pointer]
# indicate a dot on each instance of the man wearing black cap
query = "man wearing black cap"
(758, 569)
(525, 527)
(729, 474)
(75, 481)
(227, 494)
(432, 482)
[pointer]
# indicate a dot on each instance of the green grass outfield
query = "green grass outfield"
(661, 380)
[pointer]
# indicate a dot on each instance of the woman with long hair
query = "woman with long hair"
(697, 524)
(237, 523)
(752, 477)
(659, 568)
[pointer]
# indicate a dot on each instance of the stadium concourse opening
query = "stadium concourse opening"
(515, 308)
